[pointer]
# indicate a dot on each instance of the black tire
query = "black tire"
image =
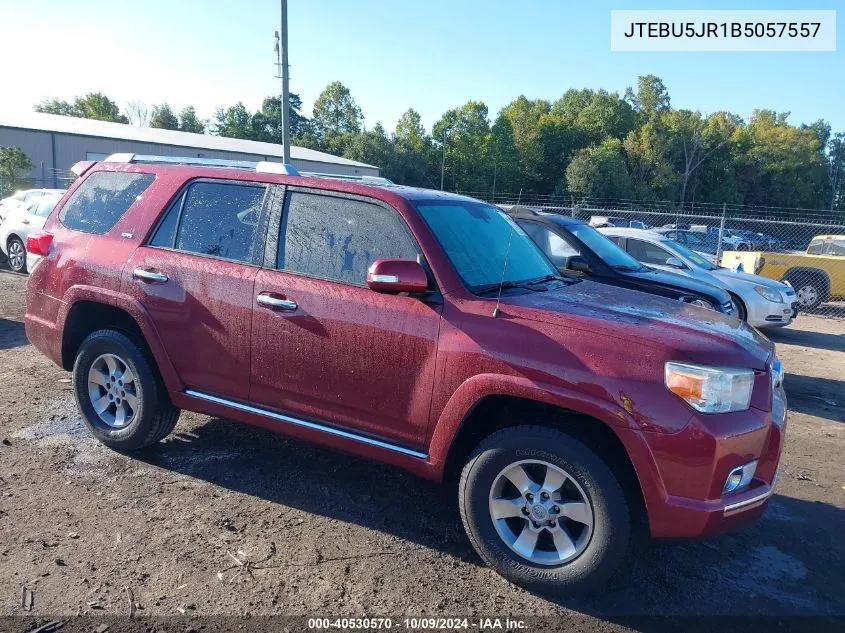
(155, 417)
(16, 242)
(612, 519)
(742, 312)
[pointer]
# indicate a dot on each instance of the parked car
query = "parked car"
(601, 220)
(23, 198)
(818, 275)
(420, 328)
(577, 248)
(705, 243)
(19, 224)
(761, 302)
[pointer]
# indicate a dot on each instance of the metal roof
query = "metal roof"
(104, 129)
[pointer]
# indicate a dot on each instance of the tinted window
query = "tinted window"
(604, 248)
(217, 219)
(554, 246)
(477, 238)
(338, 238)
(102, 198)
(647, 253)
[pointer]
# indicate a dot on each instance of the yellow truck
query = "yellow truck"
(817, 275)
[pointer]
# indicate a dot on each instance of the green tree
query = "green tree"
(164, 118)
(373, 147)
(526, 119)
(267, 122)
(836, 160)
(599, 171)
(189, 122)
(647, 151)
(233, 122)
(413, 150)
(651, 97)
(466, 131)
(336, 116)
(94, 105)
(504, 156)
(596, 114)
(14, 164)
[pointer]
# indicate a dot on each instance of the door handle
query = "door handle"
(150, 276)
(276, 303)
(24, 221)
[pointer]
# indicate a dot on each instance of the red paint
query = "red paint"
(397, 275)
(407, 370)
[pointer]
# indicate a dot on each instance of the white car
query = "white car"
(761, 302)
(24, 198)
(22, 221)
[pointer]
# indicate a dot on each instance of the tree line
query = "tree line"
(586, 144)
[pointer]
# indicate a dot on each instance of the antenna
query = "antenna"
(505, 266)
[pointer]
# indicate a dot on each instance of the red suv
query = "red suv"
(415, 327)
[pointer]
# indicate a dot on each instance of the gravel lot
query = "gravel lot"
(326, 534)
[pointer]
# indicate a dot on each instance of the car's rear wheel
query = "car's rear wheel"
(122, 400)
(544, 510)
(17, 254)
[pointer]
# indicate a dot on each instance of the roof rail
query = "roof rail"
(262, 167)
(375, 180)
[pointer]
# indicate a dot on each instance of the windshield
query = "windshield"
(690, 255)
(475, 238)
(605, 248)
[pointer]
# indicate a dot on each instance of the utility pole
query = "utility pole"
(282, 65)
(443, 164)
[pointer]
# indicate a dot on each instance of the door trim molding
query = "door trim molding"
(330, 430)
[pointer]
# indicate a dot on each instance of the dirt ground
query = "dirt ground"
(320, 533)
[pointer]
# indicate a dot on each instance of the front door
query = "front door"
(195, 277)
(326, 347)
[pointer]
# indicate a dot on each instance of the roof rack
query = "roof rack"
(374, 180)
(262, 167)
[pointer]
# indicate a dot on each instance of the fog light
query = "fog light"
(740, 477)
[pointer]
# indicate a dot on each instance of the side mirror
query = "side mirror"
(578, 263)
(675, 262)
(397, 275)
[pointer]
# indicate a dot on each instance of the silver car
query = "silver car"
(761, 302)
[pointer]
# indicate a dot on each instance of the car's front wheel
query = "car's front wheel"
(17, 254)
(544, 510)
(123, 402)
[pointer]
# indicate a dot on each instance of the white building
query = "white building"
(55, 143)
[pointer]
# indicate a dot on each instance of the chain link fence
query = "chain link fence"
(803, 247)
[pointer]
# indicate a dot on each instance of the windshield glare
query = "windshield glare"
(690, 255)
(606, 249)
(475, 238)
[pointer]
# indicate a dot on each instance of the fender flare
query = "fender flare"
(137, 312)
(475, 389)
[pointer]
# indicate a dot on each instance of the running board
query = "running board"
(330, 430)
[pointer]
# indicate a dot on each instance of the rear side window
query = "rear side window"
(216, 219)
(101, 200)
(338, 238)
(648, 253)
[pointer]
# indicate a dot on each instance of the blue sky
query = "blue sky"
(429, 54)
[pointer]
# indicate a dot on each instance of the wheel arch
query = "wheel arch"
(88, 309)
(809, 272)
(740, 304)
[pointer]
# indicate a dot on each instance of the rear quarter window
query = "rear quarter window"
(102, 199)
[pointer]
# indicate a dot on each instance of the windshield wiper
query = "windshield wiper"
(628, 269)
(485, 289)
(546, 278)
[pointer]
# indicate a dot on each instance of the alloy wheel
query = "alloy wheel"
(17, 255)
(540, 512)
(112, 391)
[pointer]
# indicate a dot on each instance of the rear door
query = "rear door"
(336, 352)
(195, 277)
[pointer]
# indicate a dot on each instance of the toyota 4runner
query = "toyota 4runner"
(414, 327)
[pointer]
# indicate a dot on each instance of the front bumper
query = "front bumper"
(764, 313)
(693, 466)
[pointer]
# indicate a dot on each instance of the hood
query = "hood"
(683, 282)
(755, 280)
(680, 330)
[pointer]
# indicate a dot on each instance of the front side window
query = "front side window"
(691, 255)
(102, 199)
(604, 248)
(484, 245)
(648, 253)
(339, 238)
(218, 219)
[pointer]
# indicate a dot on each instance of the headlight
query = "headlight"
(770, 294)
(710, 389)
